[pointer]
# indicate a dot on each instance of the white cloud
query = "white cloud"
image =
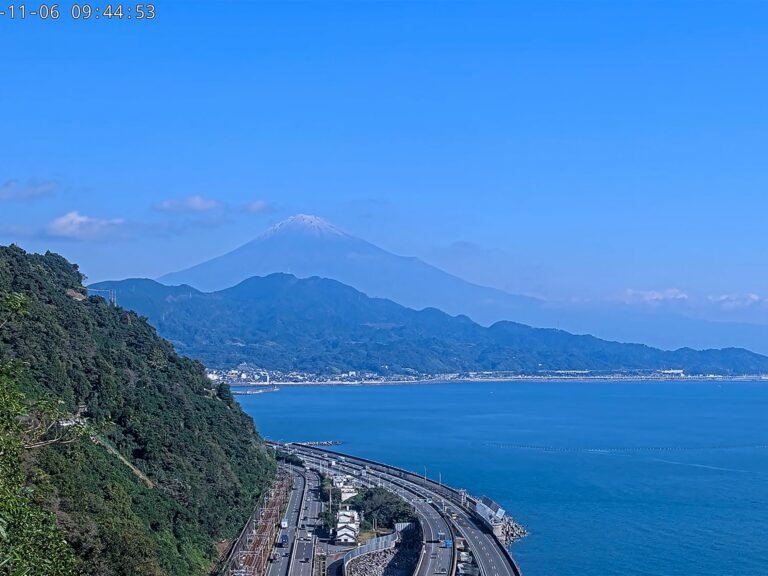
(258, 207)
(12, 190)
(654, 296)
(76, 226)
(189, 204)
(737, 301)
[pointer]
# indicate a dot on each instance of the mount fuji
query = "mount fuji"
(307, 246)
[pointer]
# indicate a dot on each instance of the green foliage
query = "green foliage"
(204, 460)
(374, 504)
(381, 506)
(30, 541)
(321, 326)
(13, 304)
(328, 516)
(283, 456)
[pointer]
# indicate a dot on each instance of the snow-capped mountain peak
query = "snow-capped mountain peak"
(304, 224)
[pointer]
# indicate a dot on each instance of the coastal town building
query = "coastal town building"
(347, 526)
(346, 486)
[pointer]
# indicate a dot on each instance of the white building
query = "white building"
(347, 526)
(340, 480)
(348, 516)
(346, 535)
(347, 492)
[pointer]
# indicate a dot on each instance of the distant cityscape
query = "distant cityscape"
(246, 375)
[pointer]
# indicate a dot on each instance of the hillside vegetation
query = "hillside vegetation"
(319, 325)
(168, 464)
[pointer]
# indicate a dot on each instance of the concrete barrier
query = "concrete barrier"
(377, 544)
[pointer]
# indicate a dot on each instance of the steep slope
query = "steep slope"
(320, 325)
(308, 246)
(204, 462)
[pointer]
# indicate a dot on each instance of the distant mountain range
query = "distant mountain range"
(321, 325)
(307, 246)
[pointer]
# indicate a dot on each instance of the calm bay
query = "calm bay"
(641, 478)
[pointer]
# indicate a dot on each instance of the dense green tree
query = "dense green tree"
(30, 541)
(143, 463)
(382, 507)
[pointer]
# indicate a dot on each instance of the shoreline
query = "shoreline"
(511, 379)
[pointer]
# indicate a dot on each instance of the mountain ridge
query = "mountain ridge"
(407, 280)
(294, 246)
(322, 325)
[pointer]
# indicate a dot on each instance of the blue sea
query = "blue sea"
(624, 478)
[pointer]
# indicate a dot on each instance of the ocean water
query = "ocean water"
(621, 478)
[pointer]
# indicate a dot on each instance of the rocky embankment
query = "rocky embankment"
(512, 531)
(400, 560)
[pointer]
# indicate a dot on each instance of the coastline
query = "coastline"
(513, 379)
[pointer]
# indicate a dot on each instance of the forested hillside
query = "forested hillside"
(320, 325)
(148, 465)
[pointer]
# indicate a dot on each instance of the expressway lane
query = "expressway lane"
(435, 560)
(304, 550)
(281, 563)
(489, 557)
(486, 549)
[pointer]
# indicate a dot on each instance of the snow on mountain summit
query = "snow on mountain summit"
(304, 224)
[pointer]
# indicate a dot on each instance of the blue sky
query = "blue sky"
(565, 149)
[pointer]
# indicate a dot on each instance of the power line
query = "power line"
(111, 295)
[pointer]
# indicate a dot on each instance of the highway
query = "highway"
(436, 560)
(281, 563)
(485, 547)
(304, 549)
(487, 551)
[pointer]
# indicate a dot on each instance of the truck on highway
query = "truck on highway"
(284, 523)
(283, 540)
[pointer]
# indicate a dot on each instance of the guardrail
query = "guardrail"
(295, 542)
(377, 544)
(373, 545)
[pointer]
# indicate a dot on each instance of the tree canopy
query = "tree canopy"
(169, 464)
